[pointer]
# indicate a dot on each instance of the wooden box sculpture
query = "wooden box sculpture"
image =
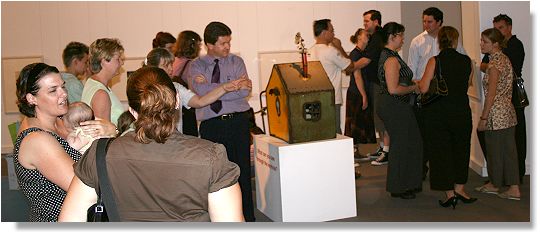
(300, 107)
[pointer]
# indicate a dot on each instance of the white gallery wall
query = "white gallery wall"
(44, 28)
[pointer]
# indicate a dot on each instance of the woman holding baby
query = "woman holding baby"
(43, 158)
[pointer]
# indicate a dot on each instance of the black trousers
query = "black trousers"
(447, 145)
(189, 122)
(405, 158)
(234, 135)
(420, 121)
(521, 142)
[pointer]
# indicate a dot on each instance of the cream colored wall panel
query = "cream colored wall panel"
(256, 26)
(196, 15)
(321, 10)
(17, 20)
(135, 26)
(172, 18)
(247, 40)
(280, 21)
(471, 34)
(50, 34)
(74, 23)
(347, 18)
(97, 21)
(390, 11)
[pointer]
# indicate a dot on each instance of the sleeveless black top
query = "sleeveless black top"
(405, 74)
(44, 197)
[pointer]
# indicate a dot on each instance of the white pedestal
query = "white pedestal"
(305, 182)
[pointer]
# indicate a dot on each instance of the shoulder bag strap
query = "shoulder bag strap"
(103, 178)
(184, 68)
(443, 87)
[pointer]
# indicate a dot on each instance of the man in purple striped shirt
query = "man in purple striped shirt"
(225, 121)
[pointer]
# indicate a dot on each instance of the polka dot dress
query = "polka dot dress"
(45, 198)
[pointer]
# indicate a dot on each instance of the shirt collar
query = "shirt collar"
(426, 34)
(209, 59)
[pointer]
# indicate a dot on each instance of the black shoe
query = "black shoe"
(382, 160)
(464, 199)
(449, 202)
(376, 154)
(405, 195)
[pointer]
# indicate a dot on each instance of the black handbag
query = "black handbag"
(437, 87)
(97, 212)
(519, 95)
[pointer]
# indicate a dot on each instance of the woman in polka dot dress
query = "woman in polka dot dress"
(43, 159)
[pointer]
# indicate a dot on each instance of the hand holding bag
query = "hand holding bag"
(519, 95)
(437, 87)
(97, 212)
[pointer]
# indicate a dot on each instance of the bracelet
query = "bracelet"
(481, 118)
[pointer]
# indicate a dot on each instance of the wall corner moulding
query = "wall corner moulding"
(11, 67)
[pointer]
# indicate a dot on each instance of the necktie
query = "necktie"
(216, 106)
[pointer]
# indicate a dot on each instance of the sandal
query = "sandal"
(485, 189)
(505, 195)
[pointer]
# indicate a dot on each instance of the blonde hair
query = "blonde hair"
(152, 95)
(495, 36)
(103, 48)
(448, 36)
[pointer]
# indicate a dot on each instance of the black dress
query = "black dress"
(405, 155)
(44, 197)
(447, 125)
(359, 123)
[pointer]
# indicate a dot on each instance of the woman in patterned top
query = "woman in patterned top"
(404, 176)
(43, 158)
(498, 119)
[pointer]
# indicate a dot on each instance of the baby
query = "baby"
(78, 112)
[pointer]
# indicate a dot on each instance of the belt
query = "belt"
(228, 116)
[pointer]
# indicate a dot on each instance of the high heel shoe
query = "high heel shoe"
(449, 202)
(464, 199)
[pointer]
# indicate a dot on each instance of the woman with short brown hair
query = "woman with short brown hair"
(175, 177)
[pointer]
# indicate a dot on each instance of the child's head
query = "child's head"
(161, 58)
(78, 112)
(124, 122)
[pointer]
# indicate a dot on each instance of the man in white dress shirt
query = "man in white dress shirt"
(425, 45)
